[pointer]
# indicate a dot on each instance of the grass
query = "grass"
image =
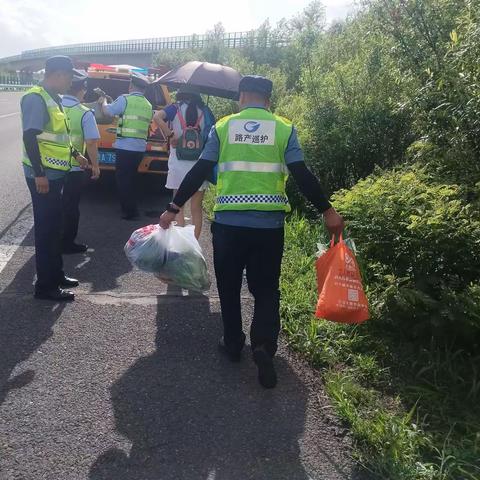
(413, 410)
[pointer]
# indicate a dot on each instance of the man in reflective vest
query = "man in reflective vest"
(84, 135)
(47, 156)
(255, 151)
(135, 114)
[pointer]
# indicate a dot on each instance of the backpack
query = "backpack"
(190, 144)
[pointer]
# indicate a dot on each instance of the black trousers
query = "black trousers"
(126, 173)
(47, 214)
(72, 193)
(260, 252)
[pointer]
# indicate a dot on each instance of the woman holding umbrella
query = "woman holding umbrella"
(187, 121)
(191, 80)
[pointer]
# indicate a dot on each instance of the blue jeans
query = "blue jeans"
(47, 214)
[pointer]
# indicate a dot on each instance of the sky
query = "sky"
(29, 24)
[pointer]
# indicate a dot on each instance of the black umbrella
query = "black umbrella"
(203, 77)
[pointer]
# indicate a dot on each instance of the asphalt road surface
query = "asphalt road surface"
(126, 382)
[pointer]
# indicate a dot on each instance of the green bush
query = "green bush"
(413, 408)
(419, 241)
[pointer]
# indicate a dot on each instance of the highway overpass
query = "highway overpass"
(134, 52)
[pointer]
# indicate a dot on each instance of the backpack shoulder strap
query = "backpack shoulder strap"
(183, 123)
(199, 121)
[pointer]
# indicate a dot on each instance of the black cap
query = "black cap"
(59, 63)
(79, 78)
(256, 84)
(140, 80)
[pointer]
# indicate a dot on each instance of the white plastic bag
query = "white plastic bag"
(173, 255)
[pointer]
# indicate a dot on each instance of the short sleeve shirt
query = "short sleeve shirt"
(252, 219)
(34, 112)
(89, 124)
(118, 108)
(34, 117)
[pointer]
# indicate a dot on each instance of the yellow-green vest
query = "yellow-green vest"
(252, 173)
(75, 116)
(54, 141)
(135, 121)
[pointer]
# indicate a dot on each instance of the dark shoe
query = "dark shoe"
(267, 376)
(74, 248)
(57, 295)
(67, 282)
(233, 356)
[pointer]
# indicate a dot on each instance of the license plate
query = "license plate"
(107, 158)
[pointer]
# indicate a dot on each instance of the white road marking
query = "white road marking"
(15, 235)
(9, 115)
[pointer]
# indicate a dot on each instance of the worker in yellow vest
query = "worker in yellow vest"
(254, 151)
(84, 135)
(134, 114)
(47, 156)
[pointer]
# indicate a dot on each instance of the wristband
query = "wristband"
(172, 208)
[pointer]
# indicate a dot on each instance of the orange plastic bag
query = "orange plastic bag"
(341, 297)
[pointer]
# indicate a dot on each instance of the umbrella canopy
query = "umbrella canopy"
(203, 77)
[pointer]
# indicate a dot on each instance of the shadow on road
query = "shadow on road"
(103, 230)
(25, 324)
(191, 415)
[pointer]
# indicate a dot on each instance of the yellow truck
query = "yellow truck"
(114, 81)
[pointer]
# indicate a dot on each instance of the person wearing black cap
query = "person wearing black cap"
(254, 150)
(84, 135)
(47, 156)
(135, 114)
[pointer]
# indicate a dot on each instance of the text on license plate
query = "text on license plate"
(107, 158)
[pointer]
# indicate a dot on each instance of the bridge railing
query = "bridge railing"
(148, 45)
(12, 87)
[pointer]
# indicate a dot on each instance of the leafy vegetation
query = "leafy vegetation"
(387, 104)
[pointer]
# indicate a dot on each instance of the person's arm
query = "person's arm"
(34, 118)
(33, 151)
(102, 102)
(310, 187)
(195, 177)
(112, 109)
(159, 119)
(209, 121)
(92, 136)
(162, 117)
(92, 150)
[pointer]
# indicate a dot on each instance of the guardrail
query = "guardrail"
(9, 87)
(150, 45)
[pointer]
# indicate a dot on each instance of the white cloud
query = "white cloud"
(338, 9)
(28, 24)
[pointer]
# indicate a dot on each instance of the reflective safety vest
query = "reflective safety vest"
(135, 121)
(75, 116)
(54, 142)
(252, 174)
